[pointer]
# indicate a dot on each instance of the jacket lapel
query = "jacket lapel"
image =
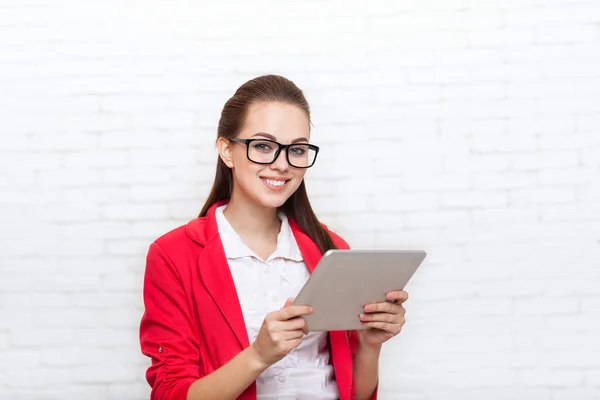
(217, 277)
(310, 251)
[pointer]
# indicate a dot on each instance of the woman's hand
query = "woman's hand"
(280, 333)
(385, 319)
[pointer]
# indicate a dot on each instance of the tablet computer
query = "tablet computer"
(344, 281)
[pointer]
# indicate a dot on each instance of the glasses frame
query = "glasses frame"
(285, 147)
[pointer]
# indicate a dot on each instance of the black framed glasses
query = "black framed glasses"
(265, 151)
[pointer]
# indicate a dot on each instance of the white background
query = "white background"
(466, 128)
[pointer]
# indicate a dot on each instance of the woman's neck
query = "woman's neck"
(249, 219)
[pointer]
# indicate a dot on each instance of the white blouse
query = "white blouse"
(263, 286)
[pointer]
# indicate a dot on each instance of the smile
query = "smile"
(275, 183)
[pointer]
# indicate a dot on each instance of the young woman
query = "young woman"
(218, 320)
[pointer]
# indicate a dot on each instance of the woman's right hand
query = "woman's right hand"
(280, 333)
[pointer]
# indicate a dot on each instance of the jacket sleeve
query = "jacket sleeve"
(166, 330)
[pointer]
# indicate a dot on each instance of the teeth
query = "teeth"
(274, 183)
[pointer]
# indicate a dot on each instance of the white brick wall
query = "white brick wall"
(476, 126)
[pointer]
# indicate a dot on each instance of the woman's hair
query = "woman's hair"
(267, 88)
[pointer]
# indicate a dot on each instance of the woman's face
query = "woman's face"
(267, 185)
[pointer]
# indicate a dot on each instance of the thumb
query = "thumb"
(288, 302)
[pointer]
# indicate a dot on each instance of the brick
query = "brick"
(503, 180)
(87, 268)
(123, 103)
(540, 161)
(96, 194)
(3, 341)
(97, 230)
(77, 141)
(123, 281)
(552, 378)
(164, 157)
(40, 337)
(546, 306)
(526, 196)
(565, 34)
(506, 215)
(68, 177)
(95, 159)
(126, 247)
(73, 212)
(426, 182)
(172, 191)
(569, 212)
(36, 300)
(437, 219)
(406, 202)
(472, 163)
(132, 212)
(492, 143)
(592, 378)
(472, 199)
(128, 138)
(577, 393)
(590, 305)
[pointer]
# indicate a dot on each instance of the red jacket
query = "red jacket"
(193, 322)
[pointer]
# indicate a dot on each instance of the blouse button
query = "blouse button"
(281, 378)
(160, 349)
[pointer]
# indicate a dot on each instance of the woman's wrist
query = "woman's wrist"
(373, 348)
(255, 360)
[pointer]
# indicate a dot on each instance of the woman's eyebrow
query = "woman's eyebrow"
(271, 137)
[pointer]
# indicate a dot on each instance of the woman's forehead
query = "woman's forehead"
(283, 122)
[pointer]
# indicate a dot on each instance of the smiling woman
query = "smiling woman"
(219, 321)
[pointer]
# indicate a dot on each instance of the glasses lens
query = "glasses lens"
(301, 155)
(262, 151)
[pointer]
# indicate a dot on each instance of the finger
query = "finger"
(385, 307)
(384, 326)
(293, 312)
(292, 335)
(294, 324)
(381, 317)
(288, 302)
(397, 296)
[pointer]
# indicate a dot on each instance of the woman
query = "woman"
(217, 324)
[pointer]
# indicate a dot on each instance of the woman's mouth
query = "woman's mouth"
(275, 184)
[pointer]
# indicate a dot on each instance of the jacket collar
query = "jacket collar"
(205, 229)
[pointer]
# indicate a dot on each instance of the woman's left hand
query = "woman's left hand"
(385, 320)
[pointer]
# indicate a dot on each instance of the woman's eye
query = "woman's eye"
(262, 146)
(298, 150)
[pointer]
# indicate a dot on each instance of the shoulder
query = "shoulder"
(173, 238)
(339, 242)
(183, 238)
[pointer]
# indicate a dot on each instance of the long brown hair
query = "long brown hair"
(267, 88)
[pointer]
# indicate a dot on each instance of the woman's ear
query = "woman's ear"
(225, 148)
